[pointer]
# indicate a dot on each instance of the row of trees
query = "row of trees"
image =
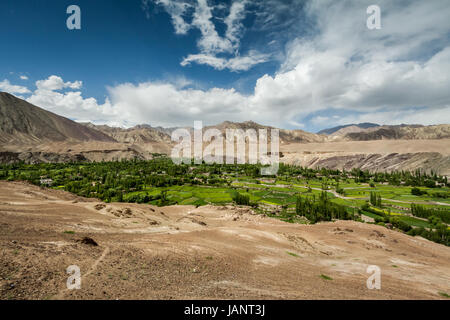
(415, 178)
(424, 212)
(322, 209)
(375, 199)
(438, 233)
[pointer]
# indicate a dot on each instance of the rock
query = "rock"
(88, 241)
(153, 222)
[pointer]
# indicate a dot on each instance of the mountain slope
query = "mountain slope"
(22, 122)
(404, 132)
(135, 135)
(334, 130)
(286, 136)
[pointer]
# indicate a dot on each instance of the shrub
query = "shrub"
(417, 192)
(402, 225)
(241, 199)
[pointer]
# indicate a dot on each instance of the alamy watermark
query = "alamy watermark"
(73, 22)
(189, 147)
(374, 20)
(74, 281)
(374, 281)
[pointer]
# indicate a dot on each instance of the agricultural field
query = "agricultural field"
(415, 202)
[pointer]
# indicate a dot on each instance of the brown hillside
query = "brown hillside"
(22, 122)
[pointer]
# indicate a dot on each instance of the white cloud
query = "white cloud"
(347, 66)
(57, 83)
(23, 77)
(169, 106)
(424, 116)
(238, 63)
(234, 22)
(219, 52)
(70, 103)
(210, 42)
(6, 86)
(344, 65)
(176, 10)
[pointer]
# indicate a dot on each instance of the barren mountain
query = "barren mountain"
(135, 135)
(22, 122)
(345, 131)
(334, 131)
(404, 132)
(286, 136)
(376, 155)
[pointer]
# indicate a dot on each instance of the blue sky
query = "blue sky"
(293, 64)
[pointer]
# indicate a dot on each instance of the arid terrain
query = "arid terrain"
(374, 155)
(183, 252)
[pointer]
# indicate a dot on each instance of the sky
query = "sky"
(295, 64)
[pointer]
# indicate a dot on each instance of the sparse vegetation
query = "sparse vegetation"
(292, 254)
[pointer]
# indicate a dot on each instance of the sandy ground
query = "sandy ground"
(183, 252)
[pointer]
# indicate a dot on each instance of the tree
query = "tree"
(375, 199)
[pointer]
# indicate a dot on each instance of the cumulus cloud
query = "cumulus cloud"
(57, 83)
(57, 96)
(23, 77)
(6, 86)
(340, 64)
(348, 66)
(175, 106)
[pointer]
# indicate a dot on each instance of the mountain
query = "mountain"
(24, 123)
(31, 134)
(144, 133)
(286, 136)
(364, 125)
(400, 132)
(135, 135)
